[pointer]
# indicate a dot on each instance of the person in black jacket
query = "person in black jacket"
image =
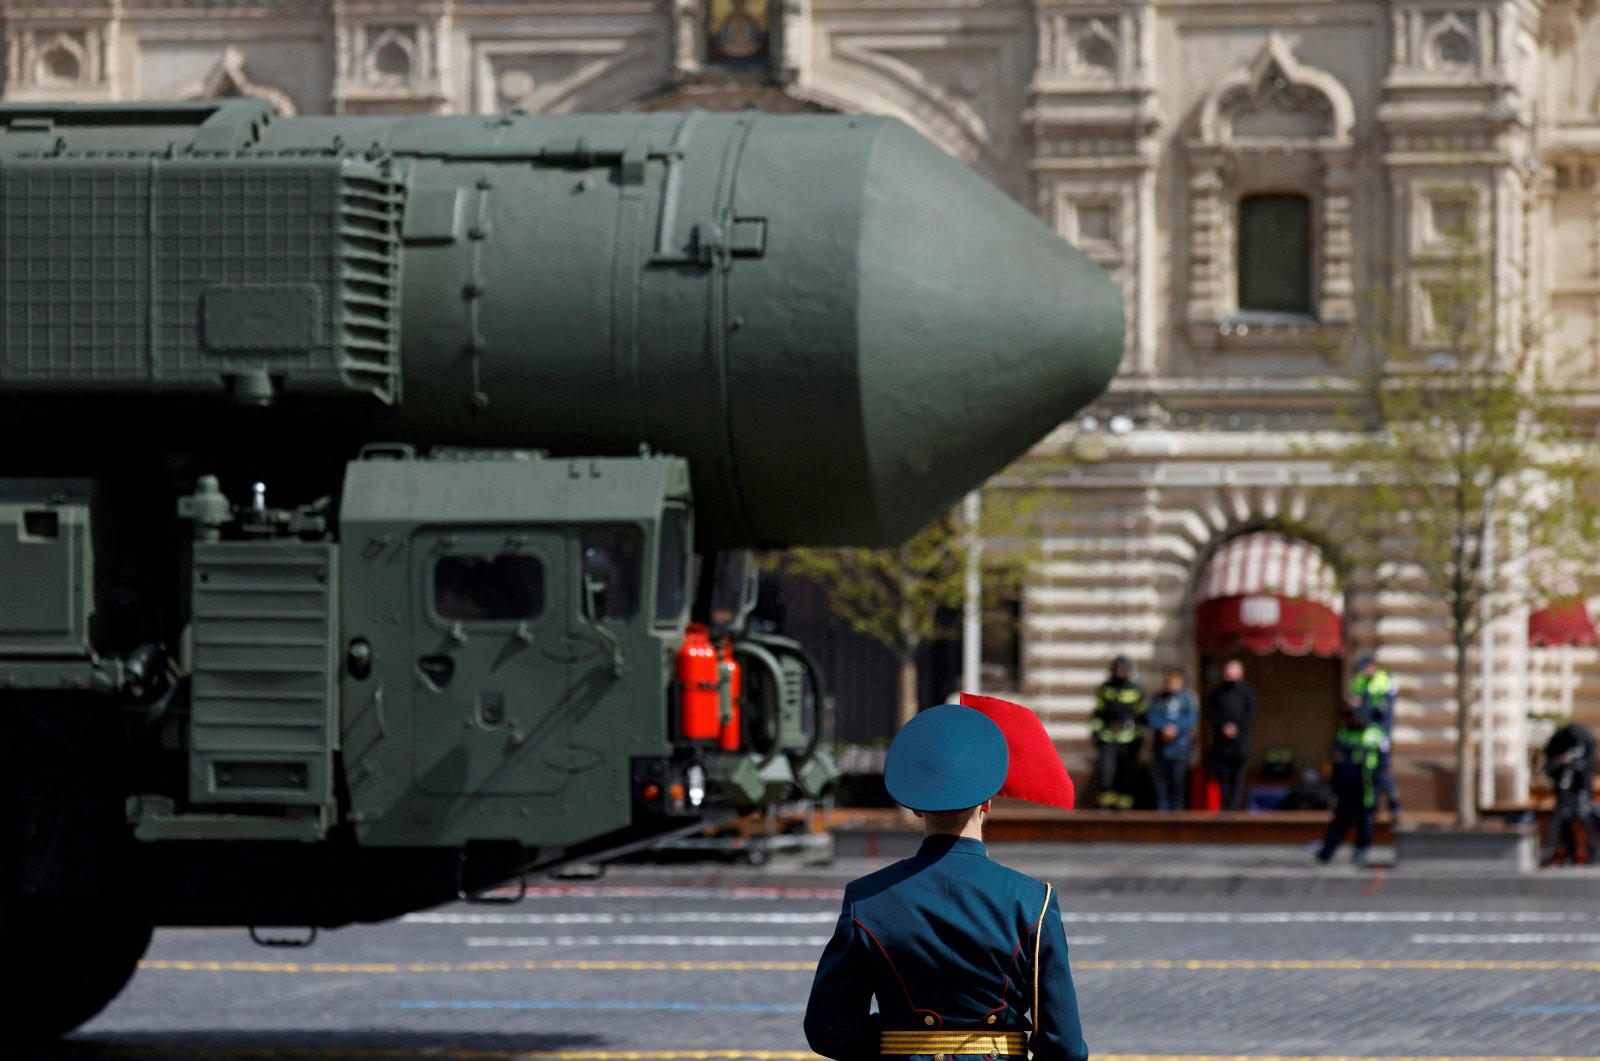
(1230, 709)
(1569, 762)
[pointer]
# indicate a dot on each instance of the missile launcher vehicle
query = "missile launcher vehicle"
(378, 494)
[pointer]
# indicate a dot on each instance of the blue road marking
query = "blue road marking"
(1545, 1011)
(603, 1004)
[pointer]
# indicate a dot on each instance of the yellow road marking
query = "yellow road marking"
(1134, 965)
(1337, 965)
(403, 1054)
(472, 967)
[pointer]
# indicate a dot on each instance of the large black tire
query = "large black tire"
(64, 961)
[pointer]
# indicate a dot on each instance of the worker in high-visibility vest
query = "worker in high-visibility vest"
(1117, 727)
(1358, 747)
(1373, 693)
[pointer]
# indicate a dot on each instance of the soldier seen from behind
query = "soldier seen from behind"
(1171, 718)
(1117, 727)
(966, 958)
(1358, 748)
(1231, 710)
(1569, 762)
(1372, 691)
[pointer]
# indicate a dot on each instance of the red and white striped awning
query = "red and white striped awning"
(1564, 622)
(1266, 592)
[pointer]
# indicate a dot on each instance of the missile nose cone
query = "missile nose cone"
(936, 331)
(981, 330)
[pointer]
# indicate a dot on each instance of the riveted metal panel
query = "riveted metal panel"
(148, 274)
(47, 565)
(262, 727)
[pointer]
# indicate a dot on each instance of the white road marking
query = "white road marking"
(1321, 917)
(685, 941)
(1509, 937)
(760, 893)
(1131, 917)
(647, 941)
(697, 917)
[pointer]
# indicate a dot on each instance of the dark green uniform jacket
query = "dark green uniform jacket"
(946, 941)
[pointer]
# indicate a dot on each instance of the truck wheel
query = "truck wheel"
(68, 961)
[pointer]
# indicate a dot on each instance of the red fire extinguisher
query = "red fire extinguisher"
(730, 685)
(698, 668)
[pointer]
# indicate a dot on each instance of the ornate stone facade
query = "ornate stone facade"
(1140, 129)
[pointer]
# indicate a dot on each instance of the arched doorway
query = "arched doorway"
(1274, 603)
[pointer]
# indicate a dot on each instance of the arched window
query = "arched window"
(391, 57)
(1453, 49)
(1097, 51)
(1275, 254)
(392, 63)
(63, 66)
(62, 61)
(1270, 187)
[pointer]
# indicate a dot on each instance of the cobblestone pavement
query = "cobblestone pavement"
(613, 971)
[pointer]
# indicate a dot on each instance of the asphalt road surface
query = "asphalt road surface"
(616, 971)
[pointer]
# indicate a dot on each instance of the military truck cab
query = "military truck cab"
(515, 618)
(473, 650)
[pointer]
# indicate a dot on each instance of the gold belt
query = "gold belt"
(986, 1044)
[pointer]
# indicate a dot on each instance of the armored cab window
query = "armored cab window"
(672, 571)
(728, 591)
(488, 589)
(1275, 255)
(612, 563)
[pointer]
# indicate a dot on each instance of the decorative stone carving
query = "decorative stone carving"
(389, 65)
(391, 56)
(1095, 123)
(960, 87)
(64, 59)
(1206, 262)
(554, 75)
(1443, 217)
(1273, 106)
(1087, 48)
(228, 80)
(1277, 125)
(1449, 42)
(1277, 98)
(1098, 45)
(689, 34)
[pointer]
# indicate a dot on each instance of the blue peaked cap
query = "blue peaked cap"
(948, 758)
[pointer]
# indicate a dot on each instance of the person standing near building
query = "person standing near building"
(1357, 749)
(1117, 729)
(1372, 691)
(1171, 718)
(1569, 762)
(1231, 709)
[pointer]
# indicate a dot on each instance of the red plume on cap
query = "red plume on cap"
(1036, 772)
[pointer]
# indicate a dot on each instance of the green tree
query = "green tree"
(1472, 484)
(902, 597)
